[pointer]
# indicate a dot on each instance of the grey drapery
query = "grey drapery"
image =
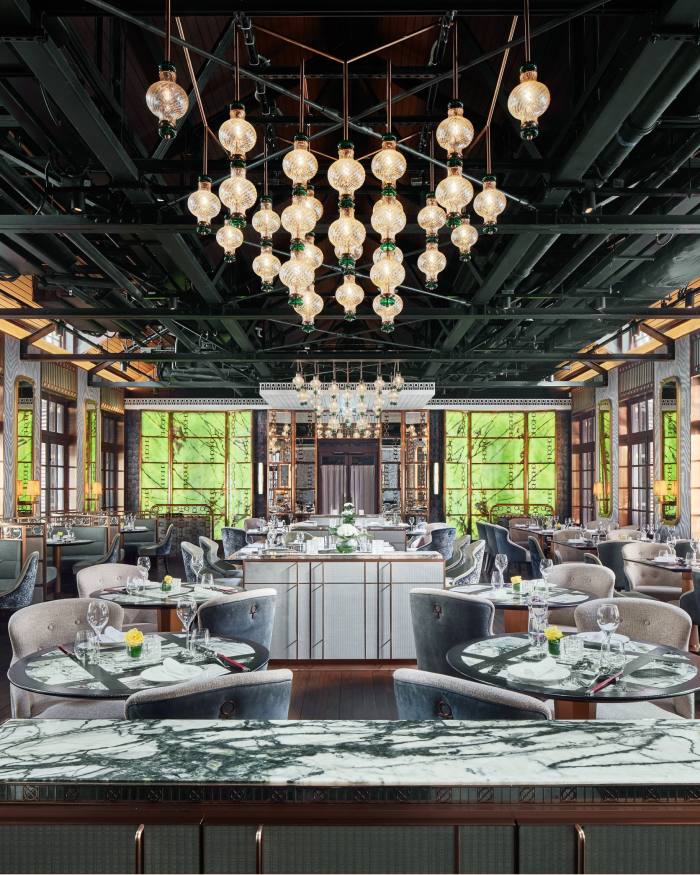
(332, 488)
(363, 488)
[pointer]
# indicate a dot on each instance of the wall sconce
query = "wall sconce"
(96, 490)
(261, 478)
(661, 489)
(436, 478)
(598, 490)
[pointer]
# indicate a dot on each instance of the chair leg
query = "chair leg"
(165, 562)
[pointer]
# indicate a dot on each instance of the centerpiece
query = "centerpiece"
(134, 639)
(346, 531)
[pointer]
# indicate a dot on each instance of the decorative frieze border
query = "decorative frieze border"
(515, 404)
(193, 403)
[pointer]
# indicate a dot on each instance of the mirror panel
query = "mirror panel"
(667, 487)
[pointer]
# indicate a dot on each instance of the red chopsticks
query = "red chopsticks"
(232, 663)
(604, 683)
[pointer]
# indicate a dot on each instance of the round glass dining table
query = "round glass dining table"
(57, 671)
(650, 671)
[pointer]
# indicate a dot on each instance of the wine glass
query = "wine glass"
(97, 617)
(207, 580)
(197, 563)
(143, 563)
(501, 562)
(186, 608)
(608, 619)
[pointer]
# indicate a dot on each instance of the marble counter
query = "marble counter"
(352, 754)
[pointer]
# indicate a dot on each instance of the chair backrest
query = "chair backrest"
(646, 620)
(441, 619)
(422, 695)
(113, 553)
(514, 552)
(149, 536)
(436, 526)
(260, 695)
(591, 559)
(596, 580)
(443, 540)
(625, 535)
(190, 552)
(481, 532)
(469, 570)
(211, 549)
(103, 576)
(10, 559)
(455, 561)
(491, 545)
(233, 540)
(610, 554)
(536, 555)
(165, 545)
(54, 622)
(97, 534)
(23, 592)
(241, 615)
(253, 522)
(644, 575)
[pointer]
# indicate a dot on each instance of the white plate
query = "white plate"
(568, 599)
(598, 638)
(558, 673)
(497, 595)
(158, 674)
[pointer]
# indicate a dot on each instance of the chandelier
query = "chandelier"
(167, 100)
(530, 98)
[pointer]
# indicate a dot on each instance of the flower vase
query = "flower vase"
(134, 650)
(345, 545)
(554, 647)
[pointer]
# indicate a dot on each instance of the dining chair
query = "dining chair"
(112, 554)
(491, 546)
(161, 549)
(45, 625)
(253, 696)
(20, 592)
(591, 559)
(518, 557)
(221, 567)
(190, 552)
(233, 540)
(442, 540)
(252, 522)
(10, 562)
(468, 572)
(610, 554)
(443, 618)
(650, 621)
(625, 534)
(536, 556)
(594, 580)
(248, 615)
(116, 574)
(424, 695)
(656, 581)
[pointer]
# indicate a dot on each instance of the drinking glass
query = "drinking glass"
(497, 580)
(197, 566)
(199, 645)
(143, 563)
(152, 646)
(133, 585)
(571, 649)
(690, 558)
(501, 562)
(208, 580)
(97, 617)
(85, 646)
(412, 522)
(536, 621)
(186, 610)
(608, 619)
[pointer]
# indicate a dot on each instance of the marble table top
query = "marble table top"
(506, 599)
(351, 753)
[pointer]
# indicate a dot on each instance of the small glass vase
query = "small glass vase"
(554, 647)
(345, 546)
(166, 587)
(134, 650)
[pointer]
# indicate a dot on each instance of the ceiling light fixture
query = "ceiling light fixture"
(166, 99)
(529, 99)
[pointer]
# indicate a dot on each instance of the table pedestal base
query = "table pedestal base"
(168, 620)
(567, 709)
(514, 621)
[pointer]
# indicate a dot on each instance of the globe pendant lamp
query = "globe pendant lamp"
(464, 236)
(230, 238)
(266, 265)
(530, 98)
(204, 205)
(432, 217)
(431, 262)
(237, 192)
(455, 132)
(349, 295)
(236, 135)
(388, 164)
(167, 100)
(346, 233)
(312, 253)
(299, 218)
(300, 165)
(388, 218)
(489, 204)
(346, 174)
(387, 273)
(310, 306)
(296, 273)
(454, 192)
(266, 221)
(387, 314)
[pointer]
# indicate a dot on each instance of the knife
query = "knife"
(604, 683)
(227, 662)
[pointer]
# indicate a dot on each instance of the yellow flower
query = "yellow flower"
(553, 633)
(516, 579)
(133, 638)
(167, 579)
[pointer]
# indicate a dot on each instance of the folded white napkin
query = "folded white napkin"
(202, 592)
(179, 670)
(111, 636)
(666, 560)
(536, 670)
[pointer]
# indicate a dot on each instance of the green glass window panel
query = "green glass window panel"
(456, 424)
(498, 476)
(541, 424)
(199, 450)
(456, 476)
(151, 497)
(457, 450)
(25, 452)
(498, 425)
(155, 449)
(241, 449)
(457, 503)
(240, 476)
(199, 476)
(154, 475)
(499, 451)
(542, 497)
(542, 476)
(541, 450)
(154, 424)
(199, 425)
(241, 422)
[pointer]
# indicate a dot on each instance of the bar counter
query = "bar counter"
(349, 796)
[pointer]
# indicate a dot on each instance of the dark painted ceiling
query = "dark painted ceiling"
(624, 127)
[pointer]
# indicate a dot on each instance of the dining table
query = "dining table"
(650, 671)
(152, 598)
(513, 604)
(58, 671)
(133, 530)
(57, 545)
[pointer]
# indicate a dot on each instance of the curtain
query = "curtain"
(332, 488)
(363, 488)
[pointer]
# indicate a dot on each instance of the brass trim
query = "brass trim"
(139, 856)
(580, 860)
(259, 849)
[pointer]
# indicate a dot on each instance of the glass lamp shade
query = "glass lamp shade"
(346, 174)
(355, 253)
(312, 253)
(303, 396)
(334, 389)
(379, 384)
(266, 221)
(311, 305)
(298, 218)
(229, 238)
(167, 101)
(361, 389)
(204, 204)
(387, 314)
(238, 193)
(267, 266)
(489, 204)
(393, 397)
(346, 232)
(431, 262)
(349, 295)
(300, 163)
(236, 135)
(387, 273)
(399, 382)
(315, 383)
(464, 236)
(298, 381)
(454, 192)
(296, 274)
(432, 217)
(362, 407)
(315, 202)
(528, 101)
(388, 164)
(455, 132)
(379, 253)
(388, 218)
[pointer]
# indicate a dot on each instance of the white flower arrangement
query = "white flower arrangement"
(347, 531)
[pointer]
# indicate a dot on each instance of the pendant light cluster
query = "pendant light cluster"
(266, 222)
(348, 409)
